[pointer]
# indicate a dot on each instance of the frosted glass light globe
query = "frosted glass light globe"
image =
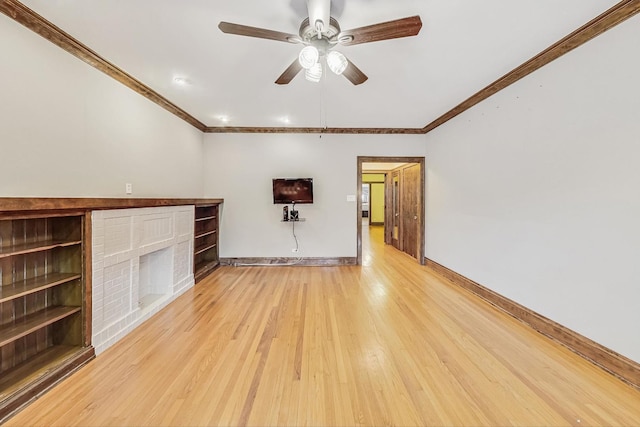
(308, 56)
(337, 62)
(314, 74)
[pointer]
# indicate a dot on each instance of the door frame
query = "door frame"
(389, 159)
(395, 200)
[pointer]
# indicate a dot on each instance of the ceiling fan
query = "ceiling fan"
(320, 34)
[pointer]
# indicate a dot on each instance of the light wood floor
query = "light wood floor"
(388, 343)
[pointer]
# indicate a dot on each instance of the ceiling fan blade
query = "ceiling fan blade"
(261, 33)
(404, 27)
(291, 71)
(354, 75)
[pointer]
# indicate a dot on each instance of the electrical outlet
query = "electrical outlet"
(128, 188)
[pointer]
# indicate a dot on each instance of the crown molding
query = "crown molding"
(317, 130)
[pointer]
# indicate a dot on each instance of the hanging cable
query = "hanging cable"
(293, 229)
(297, 251)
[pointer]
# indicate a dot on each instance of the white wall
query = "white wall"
(68, 130)
(534, 193)
(240, 168)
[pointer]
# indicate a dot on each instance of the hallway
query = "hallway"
(386, 343)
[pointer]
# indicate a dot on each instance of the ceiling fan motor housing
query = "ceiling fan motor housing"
(328, 40)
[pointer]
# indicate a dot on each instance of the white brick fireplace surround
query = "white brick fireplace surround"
(142, 260)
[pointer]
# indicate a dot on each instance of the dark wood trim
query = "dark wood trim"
(609, 19)
(359, 212)
(27, 17)
(368, 131)
(87, 309)
(19, 400)
(205, 271)
(16, 204)
(306, 262)
(26, 214)
(400, 170)
(389, 213)
(616, 364)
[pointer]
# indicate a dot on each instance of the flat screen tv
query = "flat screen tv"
(296, 190)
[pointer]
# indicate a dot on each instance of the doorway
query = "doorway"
(366, 189)
(404, 214)
(373, 193)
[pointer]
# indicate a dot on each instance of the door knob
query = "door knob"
(415, 217)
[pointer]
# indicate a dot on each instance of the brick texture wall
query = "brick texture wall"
(142, 260)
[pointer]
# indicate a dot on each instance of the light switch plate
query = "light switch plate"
(351, 198)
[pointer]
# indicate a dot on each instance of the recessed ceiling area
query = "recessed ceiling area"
(176, 49)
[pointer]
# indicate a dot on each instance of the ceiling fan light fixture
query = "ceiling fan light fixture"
(308, 57)
(337, 62)
(314, 74)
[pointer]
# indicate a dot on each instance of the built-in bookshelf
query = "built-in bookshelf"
(205, 246)
(41, 303)
(46, 285)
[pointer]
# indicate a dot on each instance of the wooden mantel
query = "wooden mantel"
(14, 204)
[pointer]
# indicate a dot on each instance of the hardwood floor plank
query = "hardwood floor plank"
(387, 343)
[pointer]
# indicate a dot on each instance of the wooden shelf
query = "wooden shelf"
(35, 247)
(37, 367)
(35, 321)
(29, 286)
(29, 379)
(202, 249)
(205, 245)
(204, 268)
(44, 328)
(205, 233)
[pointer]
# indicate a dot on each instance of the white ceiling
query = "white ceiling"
(463, 46)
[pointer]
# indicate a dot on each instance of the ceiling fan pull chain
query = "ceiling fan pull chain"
(323, 110)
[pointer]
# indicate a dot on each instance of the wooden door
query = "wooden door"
(395, 209)
(411, 216)
(388, 211)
